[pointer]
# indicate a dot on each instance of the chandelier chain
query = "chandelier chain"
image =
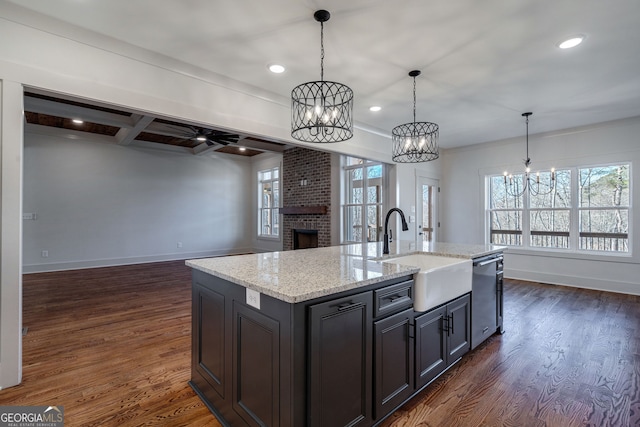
(321, 51)
(414, 99)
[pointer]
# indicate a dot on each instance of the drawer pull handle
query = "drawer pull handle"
(349, 305)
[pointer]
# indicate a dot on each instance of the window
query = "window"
(363, 195)
(269, 203)
(604, 208)
(586, 210)
(550, 211)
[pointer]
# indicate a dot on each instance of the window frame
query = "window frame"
(346, 170)
(274, 210)
(574, 212)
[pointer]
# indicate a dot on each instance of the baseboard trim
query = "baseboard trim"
(575, 281)
(111, 262)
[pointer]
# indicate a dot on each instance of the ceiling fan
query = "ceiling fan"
(209, 136)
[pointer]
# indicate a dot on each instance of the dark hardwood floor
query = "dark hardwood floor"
(112, 345)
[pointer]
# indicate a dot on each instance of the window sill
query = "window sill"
(270, 238)
(624, 257)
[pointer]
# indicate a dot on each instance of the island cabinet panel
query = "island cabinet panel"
(458, 328)
(256, 366)
(431, 346)
(210, 357)
(393, 361)
(340, 362)
(443, 335)
(243, 356)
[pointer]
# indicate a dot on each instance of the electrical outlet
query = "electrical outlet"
(45, 254)
(179, 244)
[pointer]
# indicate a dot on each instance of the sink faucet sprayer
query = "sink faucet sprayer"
(385, 239)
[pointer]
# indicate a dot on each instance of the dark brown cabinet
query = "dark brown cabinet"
(340, 362)
(442, 336)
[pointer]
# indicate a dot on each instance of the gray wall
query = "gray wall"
(102, 204)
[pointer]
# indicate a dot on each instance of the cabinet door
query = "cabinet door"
(256, 366)
(340, 362)
(209, 337)
(393, 361)
(458, 328)
(431, 346)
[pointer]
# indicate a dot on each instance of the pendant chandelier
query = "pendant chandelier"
(415, 142)
(530, 183)
(322, 111)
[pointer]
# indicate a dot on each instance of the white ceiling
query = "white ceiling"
(483, 63)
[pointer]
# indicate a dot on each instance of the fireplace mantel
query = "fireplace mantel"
(301, 210)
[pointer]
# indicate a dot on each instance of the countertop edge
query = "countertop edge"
(293, 299)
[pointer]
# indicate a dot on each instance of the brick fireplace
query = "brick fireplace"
(306, 195)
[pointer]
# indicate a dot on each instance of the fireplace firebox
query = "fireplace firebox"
(305, 239)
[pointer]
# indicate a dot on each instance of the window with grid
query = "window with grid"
(546, 216)
(604, 205)
(269, 203)
(363, 182)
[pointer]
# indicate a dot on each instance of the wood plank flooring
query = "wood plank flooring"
(112, 345)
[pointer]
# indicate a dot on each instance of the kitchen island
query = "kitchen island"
(320, 337)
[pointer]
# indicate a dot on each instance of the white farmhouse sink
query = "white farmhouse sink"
(439, 280)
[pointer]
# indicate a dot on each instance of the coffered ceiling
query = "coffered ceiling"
(118, 126)
(483, 63)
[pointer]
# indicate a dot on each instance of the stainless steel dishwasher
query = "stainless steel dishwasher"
(486, 298)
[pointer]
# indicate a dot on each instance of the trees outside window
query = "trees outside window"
(552, 219)
(604, 208)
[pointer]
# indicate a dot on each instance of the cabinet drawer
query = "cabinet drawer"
(393, 298)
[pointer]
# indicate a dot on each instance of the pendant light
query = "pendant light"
(322, 111)
(532, 184)
(417, 141)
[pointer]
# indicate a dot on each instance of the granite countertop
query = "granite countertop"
(301, 275)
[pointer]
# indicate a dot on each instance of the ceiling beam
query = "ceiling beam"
(52, 108)
(74, 135)
(169, 130)
(126, 136)
(205, 148)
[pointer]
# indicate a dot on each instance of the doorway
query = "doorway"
(427, 209)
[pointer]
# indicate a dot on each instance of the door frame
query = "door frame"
(422, 179)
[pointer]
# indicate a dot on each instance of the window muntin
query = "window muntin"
(269, 203)
(363, 198)
(601, 212)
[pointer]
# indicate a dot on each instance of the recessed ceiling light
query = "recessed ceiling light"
(242, 149)
(77, 121)
(276, 68)
(571, 42)
(375, 108)
(201, 138)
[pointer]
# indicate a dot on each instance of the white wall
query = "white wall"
(463, 203)
(103, 204)
(263, 162)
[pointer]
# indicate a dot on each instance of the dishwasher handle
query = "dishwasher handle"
(483, 262)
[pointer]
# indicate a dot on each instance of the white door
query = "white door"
(427, 209)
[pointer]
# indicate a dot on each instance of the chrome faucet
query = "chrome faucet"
(385, 239)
